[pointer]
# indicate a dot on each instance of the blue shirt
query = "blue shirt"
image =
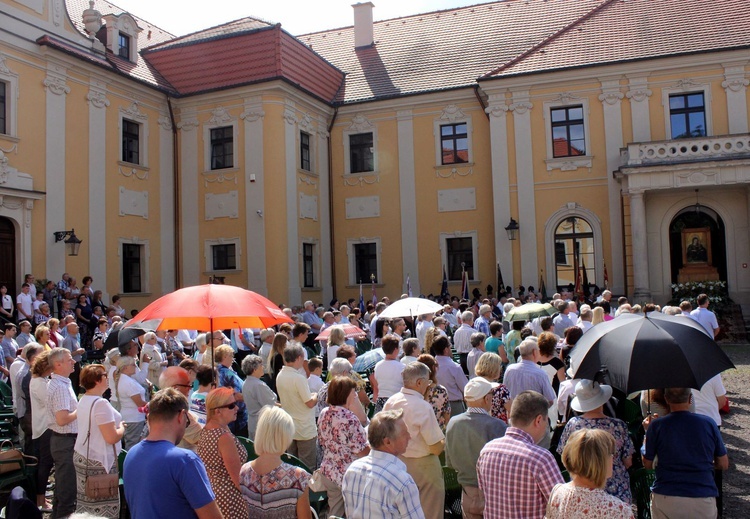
(162, 480)
(228, 378)
(686, 444)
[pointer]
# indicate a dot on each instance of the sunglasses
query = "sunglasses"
(187, 419)
(228, 406)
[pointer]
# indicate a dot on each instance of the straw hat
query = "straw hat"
(590, 395)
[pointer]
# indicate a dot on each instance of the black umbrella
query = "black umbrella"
(120, 337)
(646, 352)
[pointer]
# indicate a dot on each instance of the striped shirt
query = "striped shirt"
(531, 469)
(60, 396)
(462, 338)
(379, 486)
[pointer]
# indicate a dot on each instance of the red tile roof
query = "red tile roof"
(628, 30)
(232, 28)
(443, 49)
(239, 58)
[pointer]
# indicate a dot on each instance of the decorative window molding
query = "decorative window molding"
(144, 258)
(209, 255)
(12, 93)
(125, 24)
(451, 115)
(134, 114)
(445, 236)
(687, 86)
(360, 125)
(220, 118)
(567, 99)
(306, 147)
(352, 260)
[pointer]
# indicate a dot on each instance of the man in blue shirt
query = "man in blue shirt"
(689, 446)
(160, 479)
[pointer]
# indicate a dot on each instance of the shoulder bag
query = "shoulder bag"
(101, 486)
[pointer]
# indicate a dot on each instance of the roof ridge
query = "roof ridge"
(171, 44)
(174, 42)
(549, 39)
(413, 16)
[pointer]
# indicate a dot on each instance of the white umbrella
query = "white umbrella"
(411, 307)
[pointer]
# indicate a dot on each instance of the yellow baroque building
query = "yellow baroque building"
(613, 134)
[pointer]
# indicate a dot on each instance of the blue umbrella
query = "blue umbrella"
(368, 359)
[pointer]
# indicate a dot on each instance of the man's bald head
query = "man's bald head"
(176, 377)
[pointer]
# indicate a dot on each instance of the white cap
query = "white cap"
(478, 387)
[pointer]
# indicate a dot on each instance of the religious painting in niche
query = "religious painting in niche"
(696, 246)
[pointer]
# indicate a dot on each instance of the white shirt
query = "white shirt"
(406, 360)
(15, 367)
(8, 302)
(388, 375)
(39, 419)
(705, 399)
(422, 328)
(96, 447)
(584, 325)
(265, 349)
(26, 302)
(420, 421)
(707, 319)
(127, 388)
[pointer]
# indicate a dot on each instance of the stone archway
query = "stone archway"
(698, 217)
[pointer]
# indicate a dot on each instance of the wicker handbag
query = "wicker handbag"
(101, 486)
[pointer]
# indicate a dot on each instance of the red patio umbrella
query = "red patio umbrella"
(209, 308)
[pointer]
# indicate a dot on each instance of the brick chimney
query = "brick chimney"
(363, 36)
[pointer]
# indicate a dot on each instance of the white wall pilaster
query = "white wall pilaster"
(98, 104)
(55, 174)
(407, 191)
(521, 108)
(639, 237)
(292, 216)
(255, 228)
(166, 204)
(498, 109)
(638, 93)
(611, 98)
(189, 197)
(735, 84)
(326, 277)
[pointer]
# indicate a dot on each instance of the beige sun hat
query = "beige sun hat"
(590, 395)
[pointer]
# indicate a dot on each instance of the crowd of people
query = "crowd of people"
(209, 421)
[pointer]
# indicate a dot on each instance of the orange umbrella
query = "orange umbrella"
(208, 308)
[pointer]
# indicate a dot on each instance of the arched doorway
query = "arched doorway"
(574, 250)
(8, 255)
(698, 217)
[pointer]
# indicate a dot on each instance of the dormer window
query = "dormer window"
(124, 46)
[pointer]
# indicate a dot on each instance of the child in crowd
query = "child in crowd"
(315, 380)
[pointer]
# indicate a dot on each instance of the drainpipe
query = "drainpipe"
(176, 199)
(331, 219)
(481, 103)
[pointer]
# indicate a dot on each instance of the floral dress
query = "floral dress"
(572, 502)
(500, 395)
(341, 435)
(228, 497)
(273, 495)
(438, 398)
(619, 484)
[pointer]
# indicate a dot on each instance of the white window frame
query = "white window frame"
(445, 236)
(313, 155)
(350, 243)
(125, 24)
(143, 132)
(437, 124)
(689, 87)
(567, 163)
(347, 155)
(209, 257)
(145, 260)
(316, 262)
(11, 99)
(207, 127)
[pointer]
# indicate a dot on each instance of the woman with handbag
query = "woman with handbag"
(100, 429)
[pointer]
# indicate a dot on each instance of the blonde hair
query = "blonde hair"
(274, 432)
(217, 398)
(277, 346)
(337, 336)
(39, 331)
(598, 315)
(489, 366)
(587, 453)
(222, 351)
(429, 338)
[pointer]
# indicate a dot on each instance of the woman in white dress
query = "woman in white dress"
(157, 362)
(132, 398)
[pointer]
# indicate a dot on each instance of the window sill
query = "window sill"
(312, 289)
(455, 165)
(366, 285)
(8, 137)
(570, 163)
(134, 294)
(307, 173)
(361, 179)
(133, 166)
(226, 272)
(220, 171)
